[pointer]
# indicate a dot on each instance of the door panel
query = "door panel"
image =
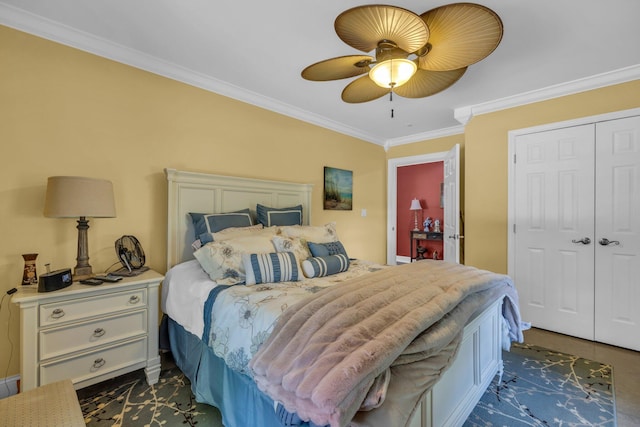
(617, 318)
(451, 231)
(554, 174)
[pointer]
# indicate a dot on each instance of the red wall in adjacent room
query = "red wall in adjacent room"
(421, 182)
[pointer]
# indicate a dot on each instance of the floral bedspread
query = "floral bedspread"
(243, 316)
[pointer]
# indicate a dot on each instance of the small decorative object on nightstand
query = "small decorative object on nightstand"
(29, 276)
(89, 333)
(436, 226)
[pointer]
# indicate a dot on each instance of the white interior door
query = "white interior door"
(617, 317)
(451, 232)
(554, 229)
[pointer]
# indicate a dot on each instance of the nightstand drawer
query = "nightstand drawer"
(96, 363)
(56, 342)
(82, 308)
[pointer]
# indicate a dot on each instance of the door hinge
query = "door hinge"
(514, 159)
(514, 228)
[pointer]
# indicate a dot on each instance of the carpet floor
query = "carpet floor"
(540, 387)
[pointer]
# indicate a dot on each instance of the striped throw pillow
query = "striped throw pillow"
(270, 268)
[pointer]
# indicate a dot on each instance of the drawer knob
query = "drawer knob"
(99, 363)
(57, 313)
(134, 299)
(98, 332)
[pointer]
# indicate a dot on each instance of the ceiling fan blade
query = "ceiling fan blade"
(461, 34)
(363, 27)
(362, 90)
(426, 83)
(338, 68)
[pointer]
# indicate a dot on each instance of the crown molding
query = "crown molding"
(425, 136)
(54, 31)
(622, 75)
(33, 24)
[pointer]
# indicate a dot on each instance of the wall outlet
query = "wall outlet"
(363, 213)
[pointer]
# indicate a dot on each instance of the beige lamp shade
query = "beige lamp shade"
(74, 196)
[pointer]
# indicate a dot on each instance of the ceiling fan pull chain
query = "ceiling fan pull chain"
(391, 100)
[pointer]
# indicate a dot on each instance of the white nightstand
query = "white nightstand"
(89, 333)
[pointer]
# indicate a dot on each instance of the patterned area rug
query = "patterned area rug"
(129, 401)
(540, 387)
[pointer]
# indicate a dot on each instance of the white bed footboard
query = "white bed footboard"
(479, 359)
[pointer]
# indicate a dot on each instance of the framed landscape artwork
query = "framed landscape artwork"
(338, 189)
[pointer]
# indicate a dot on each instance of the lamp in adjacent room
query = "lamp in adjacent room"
(79, 197)
(415, 207)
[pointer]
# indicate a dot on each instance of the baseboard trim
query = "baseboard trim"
(9, 386)
(402, 259)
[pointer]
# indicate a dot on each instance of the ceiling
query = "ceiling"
(255, 51)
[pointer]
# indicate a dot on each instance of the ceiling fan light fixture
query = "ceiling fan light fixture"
(393, 73)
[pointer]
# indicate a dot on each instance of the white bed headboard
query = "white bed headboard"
(207, 193)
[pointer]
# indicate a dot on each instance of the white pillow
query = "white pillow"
(223, 260)
(298, 246)
(316, 234)
(235, 232)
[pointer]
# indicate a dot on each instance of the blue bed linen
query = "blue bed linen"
(237, 397)
(208, 306)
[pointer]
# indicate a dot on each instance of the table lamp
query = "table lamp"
(79, 197)
(415, 207)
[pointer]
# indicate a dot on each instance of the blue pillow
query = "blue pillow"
(214, 222)
(279, 216)
(325, 265)
(270, 268)
(326, 249)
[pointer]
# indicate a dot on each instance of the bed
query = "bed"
(413, 382)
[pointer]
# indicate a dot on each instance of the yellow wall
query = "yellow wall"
(486, 166)
(66, 112)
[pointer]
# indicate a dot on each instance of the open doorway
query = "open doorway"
(450, 177)
(424, 183)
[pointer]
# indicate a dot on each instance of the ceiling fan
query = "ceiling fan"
(415, 56)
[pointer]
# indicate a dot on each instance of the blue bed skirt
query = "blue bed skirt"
(237, 397)
(212, 382)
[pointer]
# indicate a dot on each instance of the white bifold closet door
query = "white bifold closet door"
(577, 230)
(617, 250)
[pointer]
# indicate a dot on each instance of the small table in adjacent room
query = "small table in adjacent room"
(417, 252)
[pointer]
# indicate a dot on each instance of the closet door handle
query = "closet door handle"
(584, 241)
(606, 242)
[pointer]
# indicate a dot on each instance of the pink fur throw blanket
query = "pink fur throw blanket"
(326, 352)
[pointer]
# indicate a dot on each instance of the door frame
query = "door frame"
(392, 192)
(511, 190)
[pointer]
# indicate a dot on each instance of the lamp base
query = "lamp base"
(82, 270)
(81, 273)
